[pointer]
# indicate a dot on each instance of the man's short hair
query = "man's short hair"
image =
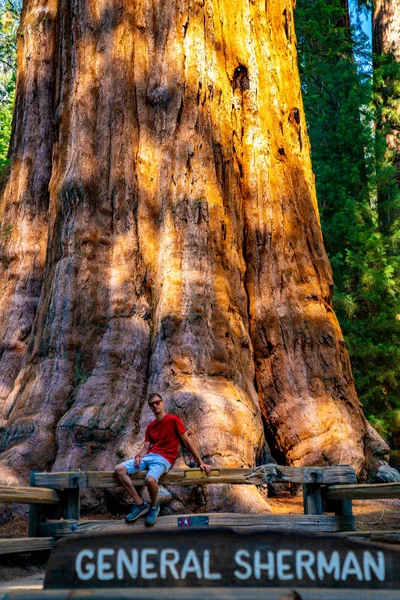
(155, 395)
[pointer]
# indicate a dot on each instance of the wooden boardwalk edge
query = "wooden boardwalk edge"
(203, 594)
(21, 545)
(322, 523)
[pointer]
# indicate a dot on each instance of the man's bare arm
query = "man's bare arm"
(186, 441)
(142, 452)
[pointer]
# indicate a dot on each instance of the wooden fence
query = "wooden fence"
(54, 500)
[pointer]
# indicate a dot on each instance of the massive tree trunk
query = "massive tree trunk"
(166, 238)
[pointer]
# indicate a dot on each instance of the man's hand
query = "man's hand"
(206, 468)
(143, 450)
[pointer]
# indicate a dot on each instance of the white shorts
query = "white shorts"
(155, 464)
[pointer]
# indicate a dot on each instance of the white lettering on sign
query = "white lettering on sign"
(333, 566)
(304, 561)
(351, 567)
(206, 567)
(268, 566)
(378, 567)
(169, 563)
(191, 564)
(145, 564)
(104, 572)
(281, 567)
(90, 569)
(131, 565)
(240, 554)
(150, 563)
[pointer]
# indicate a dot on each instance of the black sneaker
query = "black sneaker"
(137, 511)
(152, 514)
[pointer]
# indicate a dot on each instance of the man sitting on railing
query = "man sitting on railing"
(157, 455)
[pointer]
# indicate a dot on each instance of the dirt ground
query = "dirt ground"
(377, 515)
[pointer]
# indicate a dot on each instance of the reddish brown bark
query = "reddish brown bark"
(386, 27)
(345, 21)
(184, 251)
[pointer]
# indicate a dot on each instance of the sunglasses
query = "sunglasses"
(155, 403)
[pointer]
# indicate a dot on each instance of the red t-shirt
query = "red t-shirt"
(164, 436)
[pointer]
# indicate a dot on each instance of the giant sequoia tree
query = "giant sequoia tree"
(166, 238)
(9, 19)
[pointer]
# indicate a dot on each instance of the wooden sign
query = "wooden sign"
(214, 557)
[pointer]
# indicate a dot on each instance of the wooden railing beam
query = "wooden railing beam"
(28, 495)
(17, 545)
(363, 491)
(256, 476)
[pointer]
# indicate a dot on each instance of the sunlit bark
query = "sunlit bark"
(386, 27)
(184, 250)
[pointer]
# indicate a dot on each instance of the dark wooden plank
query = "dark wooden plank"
(328, 523)
(257, 476)
(381, 537)
(220, 558)
(363, 491)
(331, 475)
(15, 545)
(28, 495)
(183, 593)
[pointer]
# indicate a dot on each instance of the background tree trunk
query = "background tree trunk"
(345, 21)
(160, 162)
(386, 47)
(386, 27)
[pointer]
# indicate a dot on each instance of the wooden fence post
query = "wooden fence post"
(346, 508)
(339, 507)
(71, 504)
(68, 509)
(71, 499)
(37, 512)
(312, 499)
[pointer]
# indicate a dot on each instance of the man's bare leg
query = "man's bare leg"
(126, 482)
(153, 489)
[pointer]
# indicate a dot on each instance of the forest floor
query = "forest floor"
(28, 569)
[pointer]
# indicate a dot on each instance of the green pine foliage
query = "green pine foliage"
(9, 20)
(352, 168)
(386, 102)
(6, 109)
(386, 79)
